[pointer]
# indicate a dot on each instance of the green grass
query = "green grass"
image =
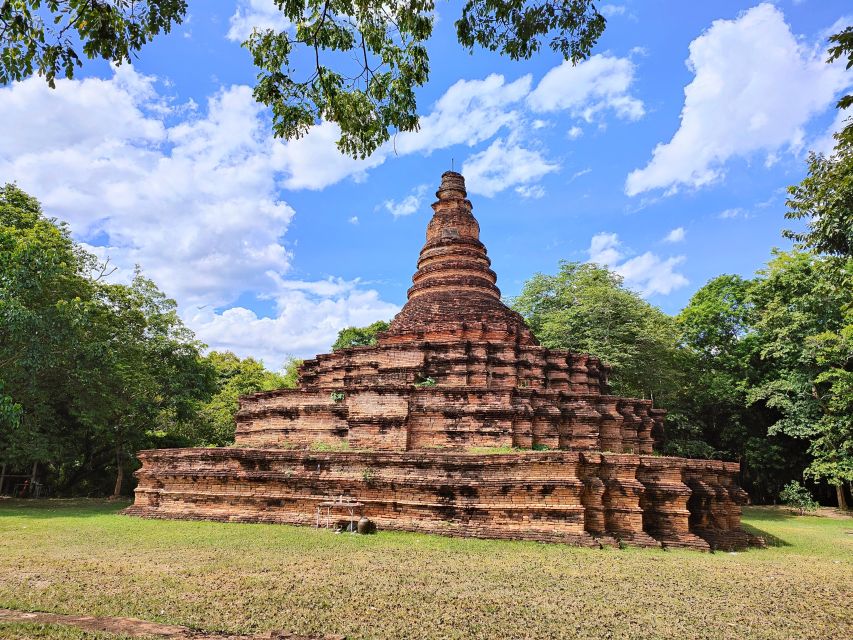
(80, 557)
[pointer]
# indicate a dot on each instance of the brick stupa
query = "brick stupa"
(408, 427)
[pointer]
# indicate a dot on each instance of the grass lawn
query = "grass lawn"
(80, 557)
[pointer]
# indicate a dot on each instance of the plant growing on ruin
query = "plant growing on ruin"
(337, 396)
(425, 382)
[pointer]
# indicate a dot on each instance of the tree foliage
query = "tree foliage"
(353, 63)
(48, 37)
(357, 64)
(359, 336)
(213, 422)
(91, 371)
(841, 47)
(824, 199)
(798, 497)
(586, 308)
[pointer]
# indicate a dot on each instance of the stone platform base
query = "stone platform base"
(581, 498)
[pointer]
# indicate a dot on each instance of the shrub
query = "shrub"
(798, 497)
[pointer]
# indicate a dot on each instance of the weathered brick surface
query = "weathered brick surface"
(494, 386)
(558, 496)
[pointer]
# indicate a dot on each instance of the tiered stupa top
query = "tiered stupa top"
(453, 292)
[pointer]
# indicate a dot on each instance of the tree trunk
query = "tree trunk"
(33, 477)
(842, 502)
(119, 474)
(2, 478)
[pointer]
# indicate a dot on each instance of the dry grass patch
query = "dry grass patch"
(81, 557)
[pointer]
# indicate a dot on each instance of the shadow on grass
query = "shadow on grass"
(59, 507)
(769, 539)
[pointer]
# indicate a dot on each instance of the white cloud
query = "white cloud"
(610, 10)
(588, 88)
(353, 220)
(574, 133)
(530, 191)
(469, 112)
(730, 214)
(504, 165)
(647, 273)
(676, 235)
(314, 161)
(408, 205)
(579, 174)
(754, 90)
(825, 144)
(191, 195)
(604, 249)
(251, 14)
(307, 320)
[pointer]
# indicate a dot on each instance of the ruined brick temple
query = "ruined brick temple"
(408, 427)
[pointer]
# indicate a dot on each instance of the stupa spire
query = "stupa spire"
(453, 258)
(453, 291)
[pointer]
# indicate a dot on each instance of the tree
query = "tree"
(798, 497)
(45, 297)
(140, 369)
(803, 332)
(47, 37)
(353, 63)
(359, 336)
(711, 408)
(375, 96)
(89, 371)
(842, 45)
(213, 423)
(824, 199)
(290, 378)
(586, 308)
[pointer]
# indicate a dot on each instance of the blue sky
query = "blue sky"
(666, 156)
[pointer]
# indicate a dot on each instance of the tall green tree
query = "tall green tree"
(587, 308)
(802, 326)
(711, 416)
(90, 370)
(141, 368)
(45, 296)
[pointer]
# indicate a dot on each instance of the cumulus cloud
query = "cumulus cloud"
(469, 112)
(307, 319)
(599, 83)
(647, 273)
(755, 87)
(189, 194)
(408, 205)
(503, 165)
(676, 235)
(255, 14)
